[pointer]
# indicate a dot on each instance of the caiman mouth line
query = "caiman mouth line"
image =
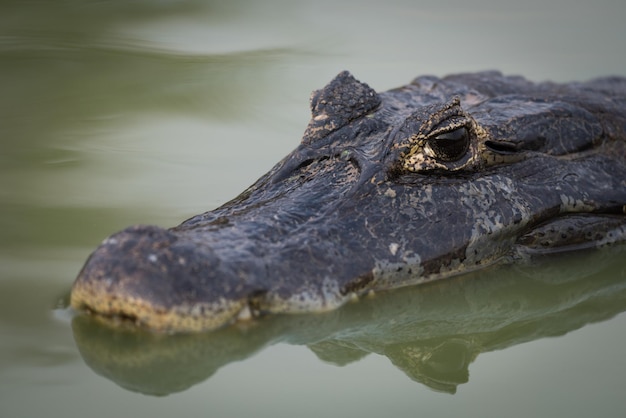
(386, 190)
(141, 313)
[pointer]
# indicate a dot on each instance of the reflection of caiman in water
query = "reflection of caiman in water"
(431, 332)
(432, 179)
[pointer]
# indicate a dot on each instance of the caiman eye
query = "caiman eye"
(450, 146)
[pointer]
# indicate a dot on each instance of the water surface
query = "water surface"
(122, 112)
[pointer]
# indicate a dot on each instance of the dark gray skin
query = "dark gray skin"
(418, 183)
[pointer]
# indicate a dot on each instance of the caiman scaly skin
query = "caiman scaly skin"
(389, 189)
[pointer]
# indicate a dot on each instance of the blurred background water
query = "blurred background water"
(121, 112)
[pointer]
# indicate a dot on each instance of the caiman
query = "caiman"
(422, 182)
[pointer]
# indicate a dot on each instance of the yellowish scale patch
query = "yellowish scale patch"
(183, 318)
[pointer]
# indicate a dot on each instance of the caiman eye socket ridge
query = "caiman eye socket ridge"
(449, 146)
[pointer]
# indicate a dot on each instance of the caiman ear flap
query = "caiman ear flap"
(340, 102)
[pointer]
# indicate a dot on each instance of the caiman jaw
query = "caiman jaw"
(182, 318)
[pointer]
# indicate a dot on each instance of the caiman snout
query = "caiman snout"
(151, 276)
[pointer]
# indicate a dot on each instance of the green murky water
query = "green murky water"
(122, 112)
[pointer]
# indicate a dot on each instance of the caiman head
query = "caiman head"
(386, 189)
